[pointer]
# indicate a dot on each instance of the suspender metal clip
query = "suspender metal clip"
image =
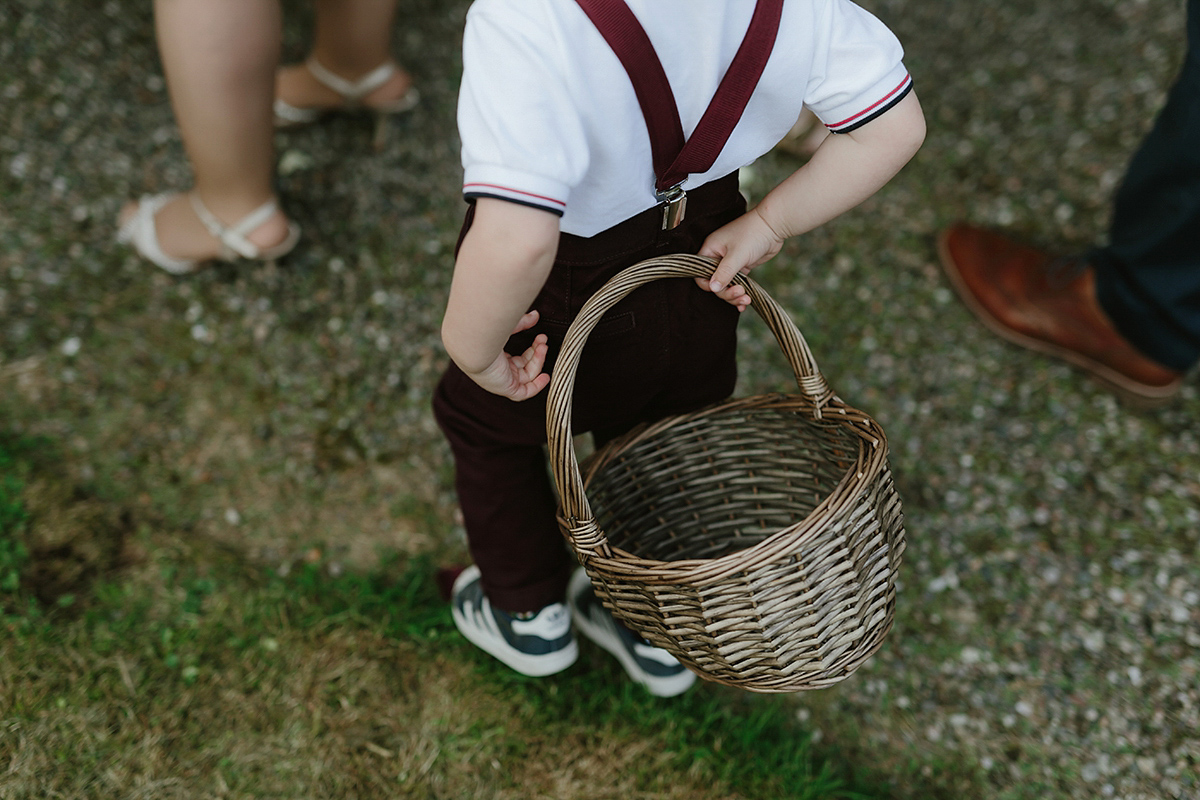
(676, 205)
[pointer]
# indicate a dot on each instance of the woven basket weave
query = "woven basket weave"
(757, 540)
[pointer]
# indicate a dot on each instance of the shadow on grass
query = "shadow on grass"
(751, 744)
(209, 617)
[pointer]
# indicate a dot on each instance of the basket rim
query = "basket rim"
(869, 463)
(575, 516)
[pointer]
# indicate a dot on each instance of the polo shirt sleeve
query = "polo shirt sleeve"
(522, 139)
(858, 71)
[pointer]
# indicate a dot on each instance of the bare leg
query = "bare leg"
(352, 38)
(219, 57)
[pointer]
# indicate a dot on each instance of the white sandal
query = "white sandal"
(139, 231)
(352, 93)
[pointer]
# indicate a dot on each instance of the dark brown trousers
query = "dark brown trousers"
(668, 348)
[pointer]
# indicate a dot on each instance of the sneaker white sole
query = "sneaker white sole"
(610, 640)
(534, 666)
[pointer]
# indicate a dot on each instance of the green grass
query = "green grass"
(165, 659)
(195, 669)
(199, 669)
(14, 555)
(750, 744)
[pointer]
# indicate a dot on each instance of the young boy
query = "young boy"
(572, 113)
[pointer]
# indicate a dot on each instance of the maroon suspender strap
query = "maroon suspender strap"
(733, 93)
(628, 39)
(674, 158)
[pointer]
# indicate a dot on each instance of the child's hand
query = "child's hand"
(517, 377)
(733, 294)
(740, 246)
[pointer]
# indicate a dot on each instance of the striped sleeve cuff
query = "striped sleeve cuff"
(517, 187)
(883, 96)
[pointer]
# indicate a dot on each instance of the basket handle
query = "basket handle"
(576, 511)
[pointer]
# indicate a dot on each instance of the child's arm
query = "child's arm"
(501, 266)
(845, 170)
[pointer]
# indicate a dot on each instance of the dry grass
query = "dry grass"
(322, 714)
(200, 672)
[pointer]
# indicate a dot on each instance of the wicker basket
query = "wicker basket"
(758, 539)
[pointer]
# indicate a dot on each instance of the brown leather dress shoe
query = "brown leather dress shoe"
(1049, 305)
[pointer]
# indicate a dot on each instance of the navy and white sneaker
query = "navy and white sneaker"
(538, 646)
(653, 667)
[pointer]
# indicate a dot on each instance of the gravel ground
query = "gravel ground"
(1048, 633)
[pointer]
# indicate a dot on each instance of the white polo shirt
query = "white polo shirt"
(548, 116)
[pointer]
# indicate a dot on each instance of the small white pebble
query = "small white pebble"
(1135, 676)
(19, 166)
(294, 161)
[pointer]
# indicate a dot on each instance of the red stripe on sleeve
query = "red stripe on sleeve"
(468, 186)
(873, 106)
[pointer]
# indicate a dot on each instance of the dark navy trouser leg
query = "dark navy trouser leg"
(1148, 277)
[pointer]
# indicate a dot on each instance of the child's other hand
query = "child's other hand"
(740, 246)
(517, 377)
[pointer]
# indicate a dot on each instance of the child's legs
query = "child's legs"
(504, 492)
(667, 348)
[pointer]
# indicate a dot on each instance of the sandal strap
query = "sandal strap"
(140, 232)
(351, 91)
(233, 237)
